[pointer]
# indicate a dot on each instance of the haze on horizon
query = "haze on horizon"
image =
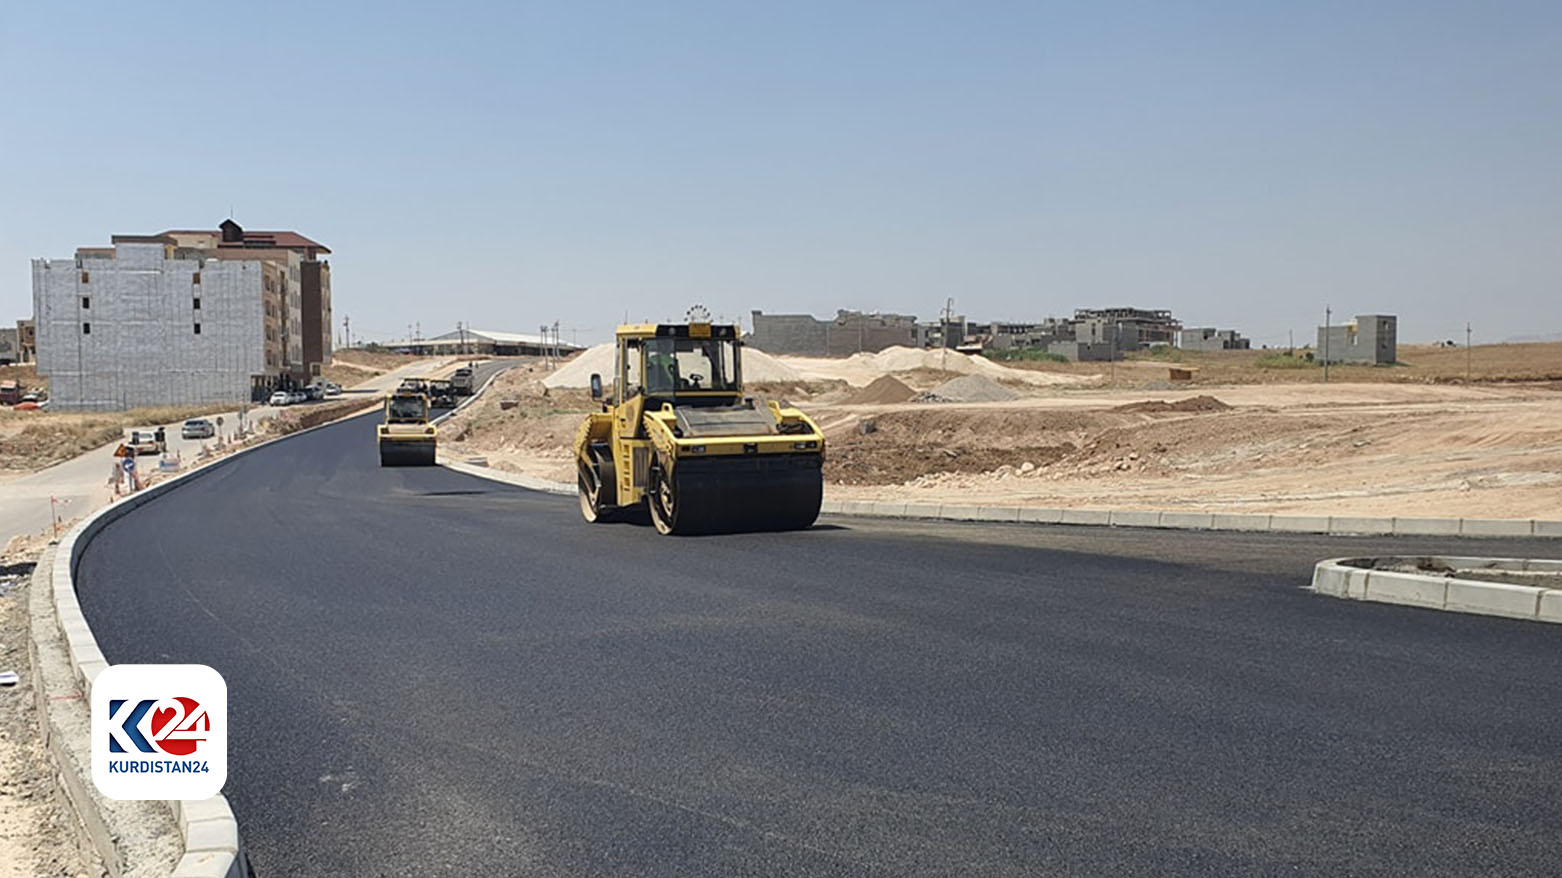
(510, 165)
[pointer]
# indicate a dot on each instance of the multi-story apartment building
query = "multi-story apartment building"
(182, 317)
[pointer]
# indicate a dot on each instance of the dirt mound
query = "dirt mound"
(885, 390)
(862, 369)
(969, 388)
(1201, 403)
(758, 366)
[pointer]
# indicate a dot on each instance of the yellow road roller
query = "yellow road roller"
(678, 438)
(406, 437)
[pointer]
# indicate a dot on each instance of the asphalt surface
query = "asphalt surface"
(432, 674)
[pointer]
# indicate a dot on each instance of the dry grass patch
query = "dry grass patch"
(30, 441)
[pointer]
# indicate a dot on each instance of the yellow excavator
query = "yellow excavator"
(406, 437)
(679, 438)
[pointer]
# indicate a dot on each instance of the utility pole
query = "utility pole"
(1326, 315)
(1290, 341)
(949, 316)
(1467, 352)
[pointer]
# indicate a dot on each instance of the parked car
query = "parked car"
(333, 389)
(281, 397)
(198, 428)
(314, 391)
(143, 442)
(300, 396)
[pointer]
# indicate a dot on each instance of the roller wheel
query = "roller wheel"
(597, 485)
(663, 501)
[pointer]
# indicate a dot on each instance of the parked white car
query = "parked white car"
(281, 397)
(198, 428)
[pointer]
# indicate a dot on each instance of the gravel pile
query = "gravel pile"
(969, 388)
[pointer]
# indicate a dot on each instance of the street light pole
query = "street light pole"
(1326, 314)
(1467, 353)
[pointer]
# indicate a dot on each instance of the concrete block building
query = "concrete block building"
(182, 317)
(1208, 338)
(849, 333)
(1372, 339)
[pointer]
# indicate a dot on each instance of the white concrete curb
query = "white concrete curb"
(1354, 579)
(207, 828)
(1335, 525)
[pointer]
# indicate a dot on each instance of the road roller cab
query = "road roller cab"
(406, 438)
(677, 437)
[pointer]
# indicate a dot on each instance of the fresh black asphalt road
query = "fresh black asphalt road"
(432, 674)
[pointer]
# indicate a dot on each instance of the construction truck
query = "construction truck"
(441, 394)
(679, 439)
(406, 438)
(464, 381)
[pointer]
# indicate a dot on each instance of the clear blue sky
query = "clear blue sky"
(514, 164)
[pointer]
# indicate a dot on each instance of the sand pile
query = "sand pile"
(1201, 403)
(860, 370)
(969, 388)
(885, 390)
(758, 366)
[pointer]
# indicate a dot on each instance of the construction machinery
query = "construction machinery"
(441, 394)
(406, 438)
(464, 381)
(679, 438)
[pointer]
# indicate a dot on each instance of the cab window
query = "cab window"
(675, 365)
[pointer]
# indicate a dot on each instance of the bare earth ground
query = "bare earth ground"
(37, 832)
(353, 365)
(1415, 442)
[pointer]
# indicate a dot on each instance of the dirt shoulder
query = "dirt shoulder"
(38, 835)
(1485, 452)
(519, 425)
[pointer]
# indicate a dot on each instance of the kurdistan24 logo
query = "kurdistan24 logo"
(174, 727)
(159, 732)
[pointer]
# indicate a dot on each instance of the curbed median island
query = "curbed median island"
(1515, 588)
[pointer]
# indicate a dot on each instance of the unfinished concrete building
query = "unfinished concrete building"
(849, 333)
(177, 318)
(1372, 339)
(1129, 327)
(1208, 338)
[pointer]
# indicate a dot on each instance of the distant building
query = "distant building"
(10, 345)
(849, 333)
(26, 341)
(1130, 328)
(181, 317)
(487, 342)
(1371, 339)
(1212, 339)
(1085, 351)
